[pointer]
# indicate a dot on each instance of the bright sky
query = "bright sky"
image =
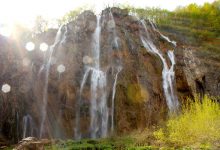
(25, 11)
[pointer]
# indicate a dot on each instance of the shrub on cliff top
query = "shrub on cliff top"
(199, 123)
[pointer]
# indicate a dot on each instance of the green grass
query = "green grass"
(99, 144)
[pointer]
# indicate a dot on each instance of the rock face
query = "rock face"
(197, 72)
(139, 99)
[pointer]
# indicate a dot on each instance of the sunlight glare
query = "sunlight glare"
(6, 88)
(61, 68)
(6, 31)
(43, 47)
(25, 11)
(30, 46)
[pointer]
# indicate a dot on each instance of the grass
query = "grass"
(119, 143)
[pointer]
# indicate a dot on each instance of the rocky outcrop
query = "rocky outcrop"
(197, 72)
(31, 143)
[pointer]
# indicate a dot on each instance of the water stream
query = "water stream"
(58, 39)
(113, 98)
(167, 73)
(27, 126)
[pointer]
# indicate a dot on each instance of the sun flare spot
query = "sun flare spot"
(43, 47)
(30, 46)
(61, 68)
(6, 88)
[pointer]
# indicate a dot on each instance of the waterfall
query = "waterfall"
(99, 112)
(114, 31)
(27, 126)
(113, 98)
(17, 125)
(163, 36)
(96, 44)
(99, 109)
(167, 73)
(77, 127)
(45, 89)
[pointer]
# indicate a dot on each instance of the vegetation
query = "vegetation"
(199, 23)
(71, 15)
(101, 144)
(198, 125)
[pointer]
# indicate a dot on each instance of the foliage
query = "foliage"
(201, 22)
(71, 15)
(199, 123)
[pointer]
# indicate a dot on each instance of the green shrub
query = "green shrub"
(198, 124)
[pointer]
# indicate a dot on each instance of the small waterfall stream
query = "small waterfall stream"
(167, 73)
(27, 126)
(163, 36)
(113, 98)
(77, 133)
(114, 30)
(45, 90)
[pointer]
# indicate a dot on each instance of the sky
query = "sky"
(25, 11)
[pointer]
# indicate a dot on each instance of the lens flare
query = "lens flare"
(30, 46)
(61, 68)
(6, 88)
(43, 47)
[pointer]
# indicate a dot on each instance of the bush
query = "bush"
(199, 123)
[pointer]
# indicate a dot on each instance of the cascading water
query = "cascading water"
(113, 98)
(45, 90)
(114, 31)
(163, 36)
(77, 126)
(27, 126)
(99, 109)
(118, 68)
(17, 124)
(98, 102)
(167, 74)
